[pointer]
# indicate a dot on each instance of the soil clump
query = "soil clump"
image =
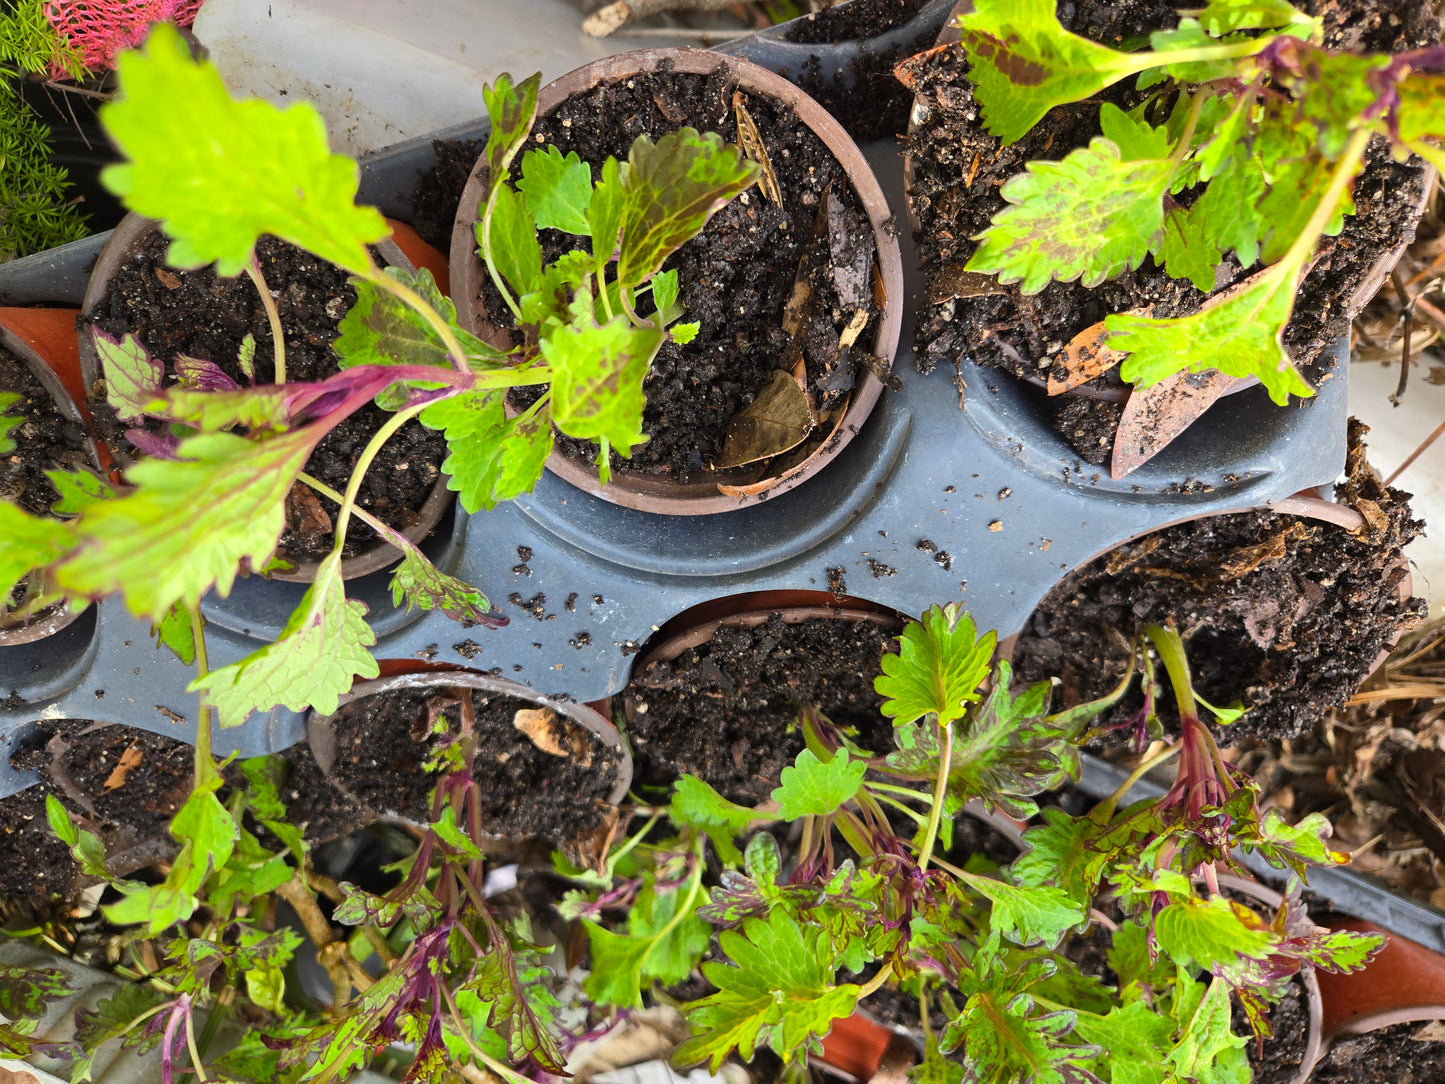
(1403, 1054)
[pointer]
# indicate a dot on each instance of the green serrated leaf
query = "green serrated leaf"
(696, 803)
(381, 329)
(174, 631)
(515, 248)
(812, 787)
(1023, 63)
(258, 169)
(682, 334)
(1207, 932)
(597, 379)
(151, 546)
(511, 106)
(670, 189)
(1222, 17)
(490, 458)
(133, 379)
(664, 296)
(1187, 250)
(77, 489)
(1057, 853)
(1133, 1039)
(1002, 1042)
(604, 214)
(424, 585)
(1135, 137)
(263, 407)
(1089, 217)
(1207, 1039)
(320, 651)
(1239, 336)
(85, 846)
(558, 190)
(941, 663)
(780, 992)
(1033, 915)
(29, 543)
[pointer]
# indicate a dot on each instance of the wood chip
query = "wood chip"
(129, 760)
(751, 141)
(854, 329)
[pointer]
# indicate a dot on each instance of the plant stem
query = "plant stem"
(637, 321)
(484, 235)
(391, 534)
(358, 472)
(191, 1046)
(896, 804)
(1144, 768)
(1345, 170)
(632, 841)
(408, 296)
(1166, 641)
(906, 792)
(1196, 103)
(1139, 62)
(884, 974)
(273, 316)
(940, 791)
(205, 766)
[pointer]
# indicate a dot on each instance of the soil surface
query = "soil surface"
(438, 191)
(1394, 1055)
(194, 313)
(1282, 614)
(727, 711)
(123, 783)
(1284, 1050)
(958, 168)
(869, 102)
(383, 743)
(737, 276)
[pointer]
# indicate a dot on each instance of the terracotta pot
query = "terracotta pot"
(44, 341)
(1307, 505)
(1403, 984)
(701, 496)
(323, 742)
(403, 249)
(1209, 388)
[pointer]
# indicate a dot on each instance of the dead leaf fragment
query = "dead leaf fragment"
(536, 723)
(168, 280)
(778, 420)
(129, 760)
(854, 329)
(751, 141)
(1155, 415)
(953, 282)
(1084, 358)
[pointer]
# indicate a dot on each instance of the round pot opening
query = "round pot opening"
(548, 768)
(51, 435)
(133, 291)
(1285, 609)
(761, 289)
(953, 173)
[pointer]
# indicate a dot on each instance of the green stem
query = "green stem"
(884, 974)
(191, 1046)
(485, 233)
(1195, 105)
(205, 766)
(273, 317)
(410, 297)
(1133, 63)
(940, 792)
(358, 472)
(602, 292)
(637, 321)
(1167, 642)
(622, 852)
(917, 817)
(907, 792)
(1109, 804)
(389, 533)
(1345, 170)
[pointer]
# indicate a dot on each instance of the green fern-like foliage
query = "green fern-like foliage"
(35, 211)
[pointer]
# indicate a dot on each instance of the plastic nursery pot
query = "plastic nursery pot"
(1247, 613)
(48, 355)
(404, 249)
(972, 321)
(1404, 983)
(701, 494)
(372, 751)
(725, 720)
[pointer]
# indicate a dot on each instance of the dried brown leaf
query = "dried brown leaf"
(778, 420)
(129, 761)
(751, 141)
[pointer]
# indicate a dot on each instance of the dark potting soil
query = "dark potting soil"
(382, 744)
(737, 275)
(438, 191)
(1284, 614)
(194, 313)
(45, 440)
(726, 711)
(1284, 1051)
(313, 802)
(958, 168)
(1392, 1055)
(868, 101)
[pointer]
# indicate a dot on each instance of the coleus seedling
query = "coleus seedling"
(209, 502)
(989, 947)
(1248, 145)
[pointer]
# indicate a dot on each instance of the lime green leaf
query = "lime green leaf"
(1222, 17)
(133, 379)
(696, 803)
(812, 787)
(1240, 336)
(28, 542)
(491, 458)
(1229, 209)
(515, 248)
(616, 975)
(1207, 1040)
(77, 489)
(8, 422)
(1133, 1039)
(1186, 249)
(212, 832)
(151, 545)
(1297, 188)
(604, 215)
(381, 329)
(597, 379)
(780, 992)
(1089, 217)
(264, 797)
(1057, 853)
(1226, 139)
(1034, 915)
(682, 334)
(1002, 1043)
(1207, 932)
(512, 108)
(558, 190)
(265, 407)
(321, 649)
(670, 189)
(1135, 137)
(174, 631)
(1023, 63)
(87, 848)
(664, 296)
(220, 173)
(422, 584)
(655, 948)
(940, 664)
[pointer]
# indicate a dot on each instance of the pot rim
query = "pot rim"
(657, 494)
(132, 231)
(320, 736)
(51, 621)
